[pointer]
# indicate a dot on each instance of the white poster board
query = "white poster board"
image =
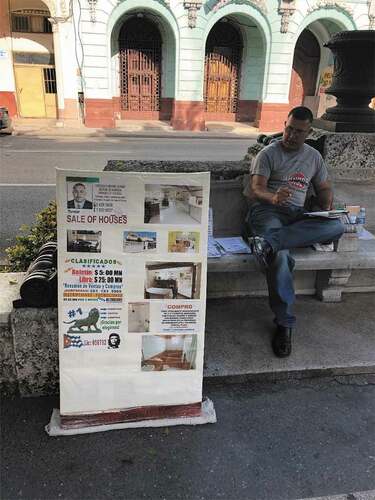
(132, 267)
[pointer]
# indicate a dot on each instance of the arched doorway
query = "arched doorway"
(222, 71)
(140, 68)
(305, 68)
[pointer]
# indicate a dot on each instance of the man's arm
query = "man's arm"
(324, 195)
(259, 188)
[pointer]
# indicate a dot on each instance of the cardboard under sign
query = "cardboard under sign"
(132, 296)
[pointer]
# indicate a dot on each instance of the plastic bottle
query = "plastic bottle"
(361, 218)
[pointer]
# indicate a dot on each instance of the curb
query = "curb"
(140, 135)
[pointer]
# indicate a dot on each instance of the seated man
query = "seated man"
(279, 179)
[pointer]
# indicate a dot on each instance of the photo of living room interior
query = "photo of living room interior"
(168, 352)
(183, 242)
(172, 280)
(166, 204)
(84, 241)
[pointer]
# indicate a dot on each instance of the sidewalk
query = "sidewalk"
(330, 338)
(132, 128)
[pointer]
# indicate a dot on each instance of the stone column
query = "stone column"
(58, 68)
(7, 83)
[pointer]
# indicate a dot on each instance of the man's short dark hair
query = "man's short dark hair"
(301, 113)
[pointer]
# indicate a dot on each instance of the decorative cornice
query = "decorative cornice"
(92, 7)
(331, 4)
(286, 10)
(63, 8)
(371, 14)
(31, 12)
(192, 6)
(258, 4)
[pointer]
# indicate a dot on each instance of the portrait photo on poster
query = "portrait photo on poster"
(170, 204)
(172, 280)
(139, 242)
(168, 352)
(79, 192)
(80, 240)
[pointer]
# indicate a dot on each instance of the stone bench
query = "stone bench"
(325, 274)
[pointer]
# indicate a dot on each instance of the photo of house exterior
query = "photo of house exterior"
(189, 62)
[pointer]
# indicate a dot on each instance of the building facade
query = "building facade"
(100, 62)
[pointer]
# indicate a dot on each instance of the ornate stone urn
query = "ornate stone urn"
(353, 82)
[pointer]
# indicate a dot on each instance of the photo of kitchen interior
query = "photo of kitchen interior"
(139, 242)
(183, 242)
(172, 280)
(165, 204)
(169, 352)
(84, 241)
(138, 317)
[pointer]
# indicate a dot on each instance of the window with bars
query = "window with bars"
(49, 80)
(31, 24)
(33, 58)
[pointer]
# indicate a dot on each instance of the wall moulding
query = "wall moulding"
(286, 10)
(371, 14)
(331, 4)
(192, 6)
(257, 4)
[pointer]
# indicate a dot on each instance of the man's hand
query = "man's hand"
(260, 189)
(281, 196)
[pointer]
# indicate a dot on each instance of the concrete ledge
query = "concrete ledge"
(330, 339)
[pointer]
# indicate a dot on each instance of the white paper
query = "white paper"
(330, 214)
(132, 288)
(233, 245)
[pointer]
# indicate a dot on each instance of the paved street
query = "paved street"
(27, 166)
(281, 441)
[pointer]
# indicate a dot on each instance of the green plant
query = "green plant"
(28, 244)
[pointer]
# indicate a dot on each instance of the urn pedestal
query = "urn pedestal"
(353, 83)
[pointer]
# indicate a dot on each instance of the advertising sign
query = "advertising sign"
(132, 266)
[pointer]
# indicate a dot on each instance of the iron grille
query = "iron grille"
(222, 69)
(49, 80)
(140, 63)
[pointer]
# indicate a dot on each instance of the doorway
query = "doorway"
(140, 69)
(305, 68)
(36, 91)
(222, 72)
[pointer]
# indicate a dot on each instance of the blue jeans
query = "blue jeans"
(285, 228)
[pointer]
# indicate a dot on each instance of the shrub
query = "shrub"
(27, 244)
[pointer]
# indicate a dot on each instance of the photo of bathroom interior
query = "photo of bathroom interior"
(169, 352)
(138, 317)
(183, 242)
(172, 280)
(166, 204)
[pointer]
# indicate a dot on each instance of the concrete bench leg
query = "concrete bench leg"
(331, 283)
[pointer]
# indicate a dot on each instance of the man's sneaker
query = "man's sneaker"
(262, 251)
(282, 341)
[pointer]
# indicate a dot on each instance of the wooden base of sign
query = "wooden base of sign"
(158, 416)
(130, 415)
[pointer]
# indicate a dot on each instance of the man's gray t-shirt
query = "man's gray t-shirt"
(292, 169)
